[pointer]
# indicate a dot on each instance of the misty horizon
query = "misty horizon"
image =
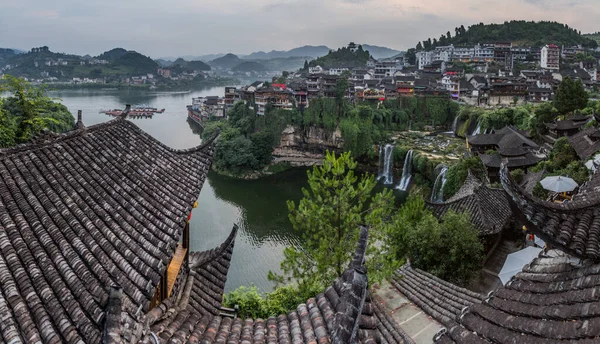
(195, 28)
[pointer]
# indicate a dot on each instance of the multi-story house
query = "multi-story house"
(568, 53)
(338, 70)
(424, 58)
(463, 53)
(385, 68)
(503, 55)
(277, 97)
(483, 53)
(316, 70)
(550, 58)
(520, 53)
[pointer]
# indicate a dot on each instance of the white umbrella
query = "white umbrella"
(539, 242)
(559, 184)
(516, 261)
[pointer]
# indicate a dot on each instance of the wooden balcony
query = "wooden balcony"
(175, 267)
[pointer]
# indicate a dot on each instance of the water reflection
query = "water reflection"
(259, 208)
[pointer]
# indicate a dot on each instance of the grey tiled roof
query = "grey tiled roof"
(343, 313)
(80, 212)
(553, 300)
(584, 143)
(488, 208)
(573, 226)
(442, 300)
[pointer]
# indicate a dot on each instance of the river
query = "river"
(258, 207)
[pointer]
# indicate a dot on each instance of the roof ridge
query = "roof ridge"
(47, 138)
(217, 251)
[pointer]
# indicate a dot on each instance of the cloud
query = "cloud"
(44, 14)
(196, 27)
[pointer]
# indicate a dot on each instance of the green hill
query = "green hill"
(112, 55)
(595, 36)
(190, 65)
(136, 63)
(249, 66)
(227, 62)
(519, 32)
(342, 57)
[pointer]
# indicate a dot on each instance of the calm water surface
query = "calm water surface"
(257, 207)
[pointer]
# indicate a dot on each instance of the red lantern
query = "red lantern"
(382, 98)
(190, 217)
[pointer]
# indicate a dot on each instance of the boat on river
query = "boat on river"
(136, 111)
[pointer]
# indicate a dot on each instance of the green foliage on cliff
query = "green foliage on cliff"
(247, 140)
(457, 174)
(520, 32)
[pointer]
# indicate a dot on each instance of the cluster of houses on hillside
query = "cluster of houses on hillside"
(441, 72)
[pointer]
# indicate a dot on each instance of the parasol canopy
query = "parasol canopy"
(559, 184)
(516, 261)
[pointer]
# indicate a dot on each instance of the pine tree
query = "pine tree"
(336, 203)
(419, 46)
(570, 96)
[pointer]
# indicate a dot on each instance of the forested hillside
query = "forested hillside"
(519, 32)
(342, 57)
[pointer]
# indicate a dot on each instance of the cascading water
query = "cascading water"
(381, 163)
(437, 193)
(454, 124)
(386, 164)
(406, 172)
(477, 130)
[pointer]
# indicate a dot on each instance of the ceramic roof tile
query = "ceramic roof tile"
(488, 208)
(553, 300)
(79, 212)
(573, 226)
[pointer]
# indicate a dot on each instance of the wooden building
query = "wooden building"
(94, 248)
(567, 127)
(553, 299)
(508, 143)
(586, 142)
(488, 208)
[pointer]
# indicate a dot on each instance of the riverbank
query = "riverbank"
(182, 85)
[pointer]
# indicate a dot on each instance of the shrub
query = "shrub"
(517, 175)
(253, 304)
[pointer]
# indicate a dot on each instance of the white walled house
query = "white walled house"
(550, 57)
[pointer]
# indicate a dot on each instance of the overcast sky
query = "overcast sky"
(195, 27)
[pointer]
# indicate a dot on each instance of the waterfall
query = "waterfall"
(381, 163)
(437, 193)
(477, 130)
(406, 172)
(386, 164)
(454, 124)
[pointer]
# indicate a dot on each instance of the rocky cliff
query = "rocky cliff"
(306, 148)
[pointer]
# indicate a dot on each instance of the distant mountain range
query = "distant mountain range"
(307, 51)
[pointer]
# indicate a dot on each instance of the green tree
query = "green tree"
(411, 55)
(336, 203)
(449, 248)
(542, 114)
(31, 111)
(457, 174)
(570, 96)
(419, 47)
(7, 132)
